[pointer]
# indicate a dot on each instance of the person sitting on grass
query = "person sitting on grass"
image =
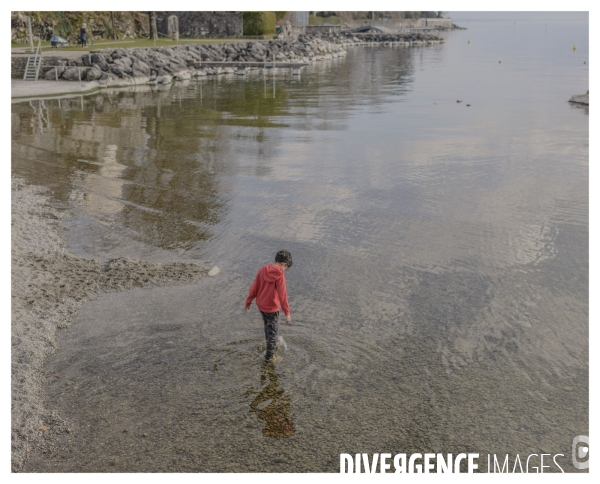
(270, 292)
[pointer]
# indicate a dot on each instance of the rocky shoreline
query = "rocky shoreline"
(49, 285)
(160, 65)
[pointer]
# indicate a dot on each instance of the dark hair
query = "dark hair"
(284, 256)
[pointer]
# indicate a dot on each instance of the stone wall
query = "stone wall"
(99, 24)
(17, 67)
(157, 65)
(18, 63)
(196, 25)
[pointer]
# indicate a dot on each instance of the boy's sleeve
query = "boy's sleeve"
(282, 293)
(251, 292)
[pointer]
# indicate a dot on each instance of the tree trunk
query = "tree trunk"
(112, 19)
(153, 32)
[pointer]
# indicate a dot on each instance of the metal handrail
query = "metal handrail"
(39, 61)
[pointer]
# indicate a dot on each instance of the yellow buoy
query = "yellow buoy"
(574, 48)
(469, 41)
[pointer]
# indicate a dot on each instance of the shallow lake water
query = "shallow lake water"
(439, 291)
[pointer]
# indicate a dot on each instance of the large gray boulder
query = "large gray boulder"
(117, 71)
(258, 48)
(72, 74)
(93, 74)
(193, 55)
(124, 62)
(140, 68)
(140, 54)
(97, 58)
(51, 74)
(177, 64)
(103, 66)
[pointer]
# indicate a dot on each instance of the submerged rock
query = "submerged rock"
(581, 99)
(164, 79)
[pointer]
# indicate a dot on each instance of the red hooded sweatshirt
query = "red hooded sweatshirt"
(269, 290)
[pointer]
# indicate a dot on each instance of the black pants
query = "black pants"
(271, 330)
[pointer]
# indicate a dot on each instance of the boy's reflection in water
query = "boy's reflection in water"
(276, 414)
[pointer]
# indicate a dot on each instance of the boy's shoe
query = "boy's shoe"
(274, 359)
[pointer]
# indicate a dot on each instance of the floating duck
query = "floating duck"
(459, 100)
(468, 105)
(584, 62)
(499, 62)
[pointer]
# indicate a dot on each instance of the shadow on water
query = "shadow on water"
(276, 414)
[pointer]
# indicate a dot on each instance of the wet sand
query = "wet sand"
(49, 285)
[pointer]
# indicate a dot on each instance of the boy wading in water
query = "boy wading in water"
(270, 292)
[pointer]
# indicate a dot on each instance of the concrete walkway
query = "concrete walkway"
(21, 90)
(67, 52)
(48, 52)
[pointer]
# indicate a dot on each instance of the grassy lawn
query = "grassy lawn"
(107, 43)
(314, 20)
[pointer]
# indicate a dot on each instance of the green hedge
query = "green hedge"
(259, 23)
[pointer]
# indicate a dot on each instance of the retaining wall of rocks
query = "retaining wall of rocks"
(163, 64)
